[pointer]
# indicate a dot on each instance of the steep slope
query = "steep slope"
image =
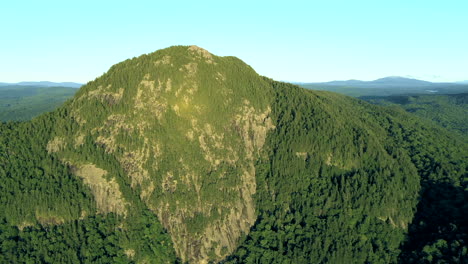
(186, 127)
(48, 210)
(342, 180)
(336, 178)
(234, 166)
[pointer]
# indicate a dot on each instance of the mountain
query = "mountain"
(44, 84)
(400, 81)
(183, 156)
(387, 82)
(388, 86)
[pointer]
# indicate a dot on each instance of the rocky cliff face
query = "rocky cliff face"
(186, 127)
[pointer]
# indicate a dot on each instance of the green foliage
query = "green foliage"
(378, 90)
(448, 111)
(41, 196)
(338, 180)
(348, 200)
(20, 103)
(441, 219)
(36, 186)
(95, 239)
(310, 211)
(137, 119)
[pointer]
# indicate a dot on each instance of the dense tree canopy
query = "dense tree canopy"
(213, 162)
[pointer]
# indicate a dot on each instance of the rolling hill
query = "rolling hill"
(23, 102)
(449, 111)
(386, 82)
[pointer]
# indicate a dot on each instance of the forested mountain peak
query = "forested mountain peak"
(187, 128)
(234, 166)
(178, 77)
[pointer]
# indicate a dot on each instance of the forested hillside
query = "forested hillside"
(47, 214)
(323, 214)
(449, 111)
(184, 156)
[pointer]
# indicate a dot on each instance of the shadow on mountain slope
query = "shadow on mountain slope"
(439, 231)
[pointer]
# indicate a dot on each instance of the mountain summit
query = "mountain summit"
(187, 128)
(181, 155)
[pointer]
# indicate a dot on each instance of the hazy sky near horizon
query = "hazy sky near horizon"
(303, 41)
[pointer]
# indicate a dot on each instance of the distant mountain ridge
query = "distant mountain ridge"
(386, 82)
(393, 85)
(44, 84)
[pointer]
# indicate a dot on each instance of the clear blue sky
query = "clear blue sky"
(284, 40)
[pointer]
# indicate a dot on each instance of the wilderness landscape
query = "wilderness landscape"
(294, 132)
(180, 156)
(23, 101)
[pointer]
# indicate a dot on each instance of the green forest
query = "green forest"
(388, 88)
(449, 111)
(181, 156)
(22, 103)
(342, 234)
